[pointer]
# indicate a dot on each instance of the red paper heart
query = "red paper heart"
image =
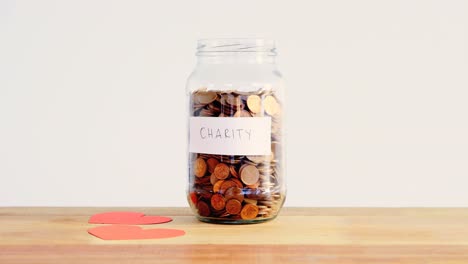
(127, 232)
(127, 218)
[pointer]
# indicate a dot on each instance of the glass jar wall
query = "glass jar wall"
(236, 133)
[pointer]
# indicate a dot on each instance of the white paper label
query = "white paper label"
(230, 135)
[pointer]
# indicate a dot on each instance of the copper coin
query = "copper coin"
(199, 167)
(213, 179)
(217, 186)
(234, 193)
(202, 180)
(233, 206)
(204, 193)
(203, 209)
(250, 211)
(218, 202)
(249, 175)
(221, 171)
(232, 170)
(238, 183)
(211, 162)
(226, 185)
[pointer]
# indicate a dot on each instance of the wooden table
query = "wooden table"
(298, 235)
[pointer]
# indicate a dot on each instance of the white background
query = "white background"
(92, 99)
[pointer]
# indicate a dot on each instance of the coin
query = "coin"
(206, 113)
(221, 171)
(249, 211)
(217, 186)
(242, 168)
(234, 193)
(215, 107)
(256, 194)
(202, 180)
(271, 105)
(250, 201)
(231, 159)
(238, 183)
(254, 186)
(233, 100)
(257, 158)
(213, 179)
(217, 202)
(232, 170)
(203, 209)
(211, 162)
(249, 175)
(233, 206)
(203, 193)
(242, 113)
(204, 97)
(263, 213)
(226, 185)
(254, 103)
(269, 203)
(199, 167)
(192, 197)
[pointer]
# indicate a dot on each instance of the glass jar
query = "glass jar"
(236, 153)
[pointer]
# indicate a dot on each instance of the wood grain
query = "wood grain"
(298, 235)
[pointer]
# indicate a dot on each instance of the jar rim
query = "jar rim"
(236, 45)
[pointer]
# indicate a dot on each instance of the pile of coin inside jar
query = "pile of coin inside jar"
(227, 187)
